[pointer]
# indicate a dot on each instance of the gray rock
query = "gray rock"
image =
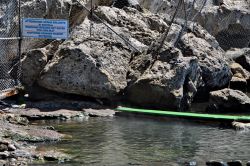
(11, 147)
(55, 114)
(15, 119)
(215, 163)
(215, 70)
(241, 126)
(244, 59)
(169, 82)
(21, 154)
(227, 100)
(191, 163)
(227, 20)
(241, 56)
(237, 83)
(238, 71)
(3, 162)
(3, 147)
(99, 112)
(53, 9)
(234, 163)
(5, 142)
(127, 3)
(34, 62)
(240, 77)
(98, 72)
(55, 156)
(4, 155)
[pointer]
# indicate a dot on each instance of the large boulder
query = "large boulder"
(228, 100)
(34, 61)
(168, 82)
(32, 64)
(97, 66)
(215, 69)
(95, 69)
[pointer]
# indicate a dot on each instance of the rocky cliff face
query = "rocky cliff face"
(104, 65)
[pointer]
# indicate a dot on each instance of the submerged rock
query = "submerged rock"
(228, 100)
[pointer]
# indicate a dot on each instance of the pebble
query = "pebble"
(4, 155)
(20, 153)
(2, 162)
(191, 163)
(4, 142)
(13, 162)
(11, 147)
(3, 147)
(248, 163)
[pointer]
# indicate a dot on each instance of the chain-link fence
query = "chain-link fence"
(12, 44)
(9, 45)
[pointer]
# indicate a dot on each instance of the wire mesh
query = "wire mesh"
(12, 45)
(9, 41)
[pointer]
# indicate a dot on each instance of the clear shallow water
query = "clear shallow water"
(124, 141)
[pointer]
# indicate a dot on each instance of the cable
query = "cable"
(91, 15)
(184, 27)
(192, 8)
(203, 5)
(19, 45)
(162, 40)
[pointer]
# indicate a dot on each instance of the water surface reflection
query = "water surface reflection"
(140, 141)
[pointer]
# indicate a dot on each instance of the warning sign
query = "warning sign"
(45, 28)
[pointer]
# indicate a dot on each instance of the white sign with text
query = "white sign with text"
(45, 28)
